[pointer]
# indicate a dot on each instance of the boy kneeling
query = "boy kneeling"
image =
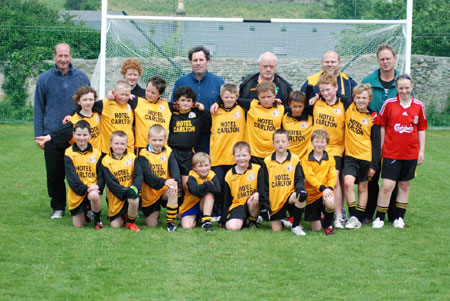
(281, 183)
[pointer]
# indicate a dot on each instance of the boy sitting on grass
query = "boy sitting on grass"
(161, 179)
(123, 176)
(202, 185)
(281, 183)
(83, 173)
(241, 197)
(320, 178)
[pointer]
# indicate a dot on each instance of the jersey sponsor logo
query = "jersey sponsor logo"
(245, 191)
(192, 115)
(184, 126)
(403, 129)
(237, 115)
(227, 127)
(121, 118)
(296, 136)
(85, 172)
(92, 159)
(281, 180)
(155, 116)
(354, 126)
(416, 119)
(128, 162)
(326, 120)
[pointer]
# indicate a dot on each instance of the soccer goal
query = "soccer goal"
(162, 44)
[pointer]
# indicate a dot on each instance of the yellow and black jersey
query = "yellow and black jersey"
(119, 175)
(362, 136)
(277, 181)
(239, 187)
(156, 169)
(64, 135)
(82, 170)
(185, 128)
(300, 129)
(147, 114)
(332, 119)
(227, 128)
(198, 187)
(261, 123)
(318, 175)
(115, 117)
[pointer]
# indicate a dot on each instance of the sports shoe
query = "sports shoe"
(57, 214)
(287, 222)
(298, 230)
(215, 219)
(339, 223)
(253, 225)
(377, 223)
(132, 227)
(171, 227)
(328, 230)
(207, 226)
(353, 223)
(398, 223)
(98, 226)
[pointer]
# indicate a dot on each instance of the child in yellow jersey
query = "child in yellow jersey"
(84, 98)
(362, 152)
(281, 183)
(150, 110)
(83, 173)
(161, 178)
(116, 115)
(123, 176)
(329, 114)
(241, 197)
(227, 128)
(298, 123)
(320, 178)
(203, 186)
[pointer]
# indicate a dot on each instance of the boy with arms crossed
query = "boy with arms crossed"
(281, 183)
(403, 123)
(320, 178)
(123, 176)
(241, 200)
(161, 179)
(202, 185)
(362, 153)
(83, 173)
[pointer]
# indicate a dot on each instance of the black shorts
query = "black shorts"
(83, 207)
(314, 210)
(339, 162)
(398, 170)
(239, 212)
(122, 212)
(282, 212)
(152, 208)
(356, 168)
(184, 160)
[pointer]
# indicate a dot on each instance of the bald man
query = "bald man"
(331, 64)
(267, 65)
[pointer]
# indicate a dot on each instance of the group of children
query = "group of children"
(265, 159)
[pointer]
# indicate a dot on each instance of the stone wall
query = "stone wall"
(431, 74)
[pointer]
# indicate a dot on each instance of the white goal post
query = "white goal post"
(161, 43)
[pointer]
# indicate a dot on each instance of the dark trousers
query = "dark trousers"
(54, 164)
(220, 172)
(374, 189)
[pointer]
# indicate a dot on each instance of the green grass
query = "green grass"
(49, 259)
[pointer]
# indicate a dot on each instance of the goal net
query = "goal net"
(162, 45)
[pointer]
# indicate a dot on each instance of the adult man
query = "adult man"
(52, 101)
(267, 65)
(331, 64)
(382, 81)
(206, 85)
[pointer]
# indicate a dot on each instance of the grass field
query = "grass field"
(49, 259)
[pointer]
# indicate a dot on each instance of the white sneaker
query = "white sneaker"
(377, 223)
(353, 223)
(57, 214)
(215, 219)
(339, 223)
(398, 223)
(286, 223)
(298, 231)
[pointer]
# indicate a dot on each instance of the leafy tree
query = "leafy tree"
(29, 30)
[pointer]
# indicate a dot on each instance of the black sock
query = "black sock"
(329, 213)
(298, 212)
(381, 212)
(360, 212)
(352, 209)
(400, 209)
(97, 217)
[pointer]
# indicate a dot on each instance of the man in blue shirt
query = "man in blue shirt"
(206, 86)
(52, 102)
